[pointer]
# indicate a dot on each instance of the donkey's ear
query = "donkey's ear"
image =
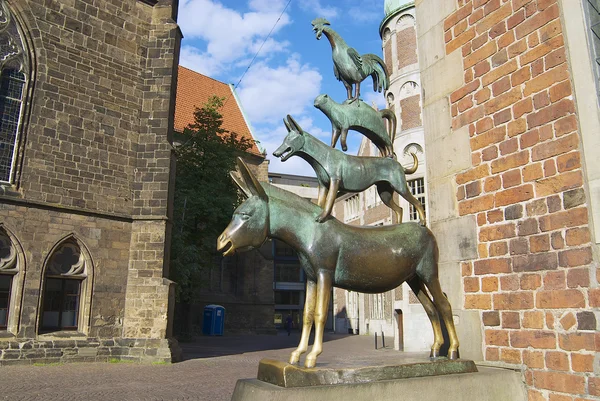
(294, 124)
(237, 178)
(250, 180)
(287, 125)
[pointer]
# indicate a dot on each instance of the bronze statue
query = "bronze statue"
(337, 171)
(366, 120)
(363, 259)
(349, 66)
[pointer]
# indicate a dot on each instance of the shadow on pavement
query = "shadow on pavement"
(215, 346)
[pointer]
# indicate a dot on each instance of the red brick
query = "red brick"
(493, 354)
(533, 359)
(539, 243)
(511, 178)
(559, 146)
(535, 339)
(533, 320)
(557, 241)
(541, 100)
(495, 216)
(465, 90)
(532, 172)
(506, 39)
(537, 21)
(514, 195)
(493, 18)
(528, 227)
(577, 236)
(491, 184)
(555, 280)
(458, 15)
(530, 281)
(517, 4)
(575, 257)
(517, 48)
(557, 361)
(546, 80)
(479, 41)
(476, 205)
(483, 301)
(569, 218)
(594, 387)
(481, 68)
(515, 19)
(549, 168)
(568, 321)
(560, 90)
(511, 161)
(523, 107)
(559, 183)
(560, 299)
(517, 127)
(493, 136)
(509, 282)
(480, 54)
(509, 146)
(513, 300)
(555, 58)
(471, 284)
(529, 138)
(577, 341)
(535, 262)
(460, 27)
(499, 72)
(496, 337)
(501, 86)
(482, 95)
(541, 50)
(510, 320)
(533, 40)
(568, 162)
(582, 362)
(465, 103)
(491, 266)
(520, 76)
(498, 248)
(550, 30)
(565, 125)
(489, 153)
(473, 174)
(537, 68)
(578, 278)
(562, 382)
(468, 117)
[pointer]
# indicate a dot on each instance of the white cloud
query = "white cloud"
(269, 93)
(230, 35)
(315, 6)
(370, 97)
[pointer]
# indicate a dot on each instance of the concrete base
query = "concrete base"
(489, 384)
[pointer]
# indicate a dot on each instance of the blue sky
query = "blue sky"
(222, 37)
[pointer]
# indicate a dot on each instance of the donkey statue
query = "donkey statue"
(363, 259)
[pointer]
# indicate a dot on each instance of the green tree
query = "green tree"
(205, 195)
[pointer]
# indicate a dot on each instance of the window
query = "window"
(9, 277)
(377, 306)
(65, 282)
(371, 197)
(287, 298)
(593, 21)
(13, 70)
(417, 188)
(283, 250)
(12, 83)
(351, 207)
(290, 272)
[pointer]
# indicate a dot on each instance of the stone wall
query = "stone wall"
(509, 181)
(95, 166)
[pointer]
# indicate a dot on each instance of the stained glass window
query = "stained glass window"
(12, 83)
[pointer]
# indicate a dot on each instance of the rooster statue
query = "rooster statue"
(349, 66)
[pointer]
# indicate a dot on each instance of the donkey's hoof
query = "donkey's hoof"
(435, 353)
(453, 355)
(294, 358)
(310, 362)
(422, 223)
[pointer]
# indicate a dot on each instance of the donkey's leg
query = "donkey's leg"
(443, 306)
(438, 339)
(308, 318)
(322, 195)
(323, 295)
(386, 194)
(343, 140)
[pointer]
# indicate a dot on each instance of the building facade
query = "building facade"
(87, 100)
(511, 118)
(397, 314)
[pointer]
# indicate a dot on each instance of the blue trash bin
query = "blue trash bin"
(214, 320)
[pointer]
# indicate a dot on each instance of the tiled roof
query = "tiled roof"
(194, 90)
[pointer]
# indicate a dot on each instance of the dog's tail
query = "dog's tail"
(414, 167)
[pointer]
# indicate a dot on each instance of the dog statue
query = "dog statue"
(360, 117)
(337, 171)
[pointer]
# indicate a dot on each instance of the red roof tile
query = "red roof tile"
(194, 90)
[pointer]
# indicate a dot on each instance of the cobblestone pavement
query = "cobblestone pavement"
(209, 373)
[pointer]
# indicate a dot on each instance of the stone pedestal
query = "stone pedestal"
(487, 384)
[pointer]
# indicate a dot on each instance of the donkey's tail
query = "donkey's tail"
(414, 167)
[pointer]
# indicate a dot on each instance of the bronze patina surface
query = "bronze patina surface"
(283, 374)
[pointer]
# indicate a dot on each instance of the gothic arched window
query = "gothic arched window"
(11, 279)
(13, 80)
(66, 288)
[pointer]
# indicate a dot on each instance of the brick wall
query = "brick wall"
(406, 47)
(387, 56)
(534, 280)
(410, 116)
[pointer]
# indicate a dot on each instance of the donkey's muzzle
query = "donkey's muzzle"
(224, 245)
